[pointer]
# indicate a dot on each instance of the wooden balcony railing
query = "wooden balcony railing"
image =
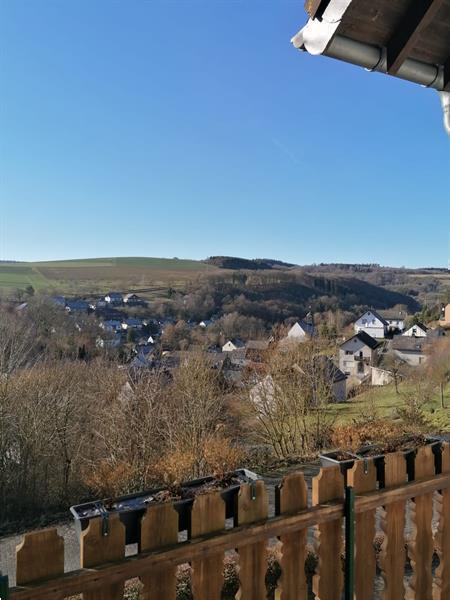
(105, 569)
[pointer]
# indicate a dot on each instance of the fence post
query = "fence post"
(349, 584)
(4, 587)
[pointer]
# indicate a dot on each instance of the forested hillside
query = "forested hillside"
(274, 295)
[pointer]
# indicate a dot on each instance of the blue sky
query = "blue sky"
(192, 128)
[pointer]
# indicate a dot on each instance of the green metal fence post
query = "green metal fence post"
(349, 543)
(4, 587)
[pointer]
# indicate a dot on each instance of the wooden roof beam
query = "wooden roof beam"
(419, 14)
(316, 8)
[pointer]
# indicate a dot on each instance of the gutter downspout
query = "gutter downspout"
(445, 101)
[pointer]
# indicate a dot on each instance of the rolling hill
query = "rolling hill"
(100, 274)
(268, 281)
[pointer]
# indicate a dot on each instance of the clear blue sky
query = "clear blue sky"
(191, 128)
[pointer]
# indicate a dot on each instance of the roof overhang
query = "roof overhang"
(409, 39)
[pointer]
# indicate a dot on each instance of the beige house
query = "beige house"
(357, 355)
(445, 316)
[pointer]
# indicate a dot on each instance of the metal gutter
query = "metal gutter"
(321, 37)
(373, 58)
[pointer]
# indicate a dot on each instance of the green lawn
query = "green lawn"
(387, 401)
(15, 276)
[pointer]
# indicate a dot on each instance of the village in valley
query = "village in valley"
(380, 346)
(177, 425)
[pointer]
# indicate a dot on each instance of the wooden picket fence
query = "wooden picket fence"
(105, 569)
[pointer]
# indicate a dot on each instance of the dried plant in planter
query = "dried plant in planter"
(382, 435)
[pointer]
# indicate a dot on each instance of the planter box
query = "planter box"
(331, 458)
(131, 508)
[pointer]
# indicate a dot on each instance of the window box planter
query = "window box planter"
(407, 445)
(132, 507)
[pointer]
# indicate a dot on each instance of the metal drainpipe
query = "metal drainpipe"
(445, 101)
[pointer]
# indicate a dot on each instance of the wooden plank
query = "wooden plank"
(421, 544)
(363, 478)
(292, 496)
(316, 8)
(134, 566)
(417, 17)
(441, 590)
(208, 516)
(97, 549)
(40, 556)
(327, 582)
(393, 555)
(159, 529)
(252, 505)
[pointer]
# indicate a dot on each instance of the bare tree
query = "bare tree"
(194, 410)
(290, 400)
(438, 365)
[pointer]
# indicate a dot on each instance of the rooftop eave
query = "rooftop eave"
(317, 34)
(320, 36)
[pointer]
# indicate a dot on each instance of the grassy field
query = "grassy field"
(387, 402)
(151, 276)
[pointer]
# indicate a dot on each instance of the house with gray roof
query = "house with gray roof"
(395, 319)
(410, 350)
(373, 324)
(358, 354)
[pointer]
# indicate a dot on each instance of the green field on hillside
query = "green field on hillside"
(387, 402)
(152, 276)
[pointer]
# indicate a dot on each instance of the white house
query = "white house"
(417, 330)
(395, 319)
(301, 331)
(373, 324)
(232, 345)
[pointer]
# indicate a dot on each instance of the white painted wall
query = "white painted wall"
(229, 347)
(381, 376)
(415, 331)
(369, 323)
(296, 332)
(411, 358)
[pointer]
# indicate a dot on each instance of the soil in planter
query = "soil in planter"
(341, 456)
(188, 492)
(401, 444)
